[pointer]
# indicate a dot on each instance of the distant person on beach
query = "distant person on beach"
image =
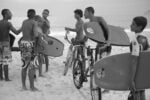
(138, 43)
(26, 45)
(89, 14)
(5, 51)
(46, 30)
(79, 39)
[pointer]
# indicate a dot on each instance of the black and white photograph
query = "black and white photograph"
(74, 49)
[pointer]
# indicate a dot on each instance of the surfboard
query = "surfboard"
(118, 36)
(50, 46)
(114, 72)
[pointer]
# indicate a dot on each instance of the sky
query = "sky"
(115, 12)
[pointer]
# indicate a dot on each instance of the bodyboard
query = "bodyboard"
(114, 72)
(50, 46)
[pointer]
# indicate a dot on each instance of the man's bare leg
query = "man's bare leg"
(46, 62)
(31, 74)
(23, 75)
(1, 72)
(6, 73)
(40, 65)
(142, 95)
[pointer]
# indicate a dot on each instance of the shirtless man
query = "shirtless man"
(39, 29)
(89, 14)
(26, 46)
(78, 27)
(79, 39)
(5, 52)
(46, 30)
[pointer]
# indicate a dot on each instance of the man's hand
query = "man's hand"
(67, 29)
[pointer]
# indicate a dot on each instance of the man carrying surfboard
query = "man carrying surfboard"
(5, 52)
(27, 45)
(46, 30)
(79, 39)
(138, 43)
(89, 14)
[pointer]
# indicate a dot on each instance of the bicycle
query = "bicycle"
(80, 73)
(72, 54)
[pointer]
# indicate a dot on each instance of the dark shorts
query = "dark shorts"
(106, 49)
(77, 42)
(5, 53)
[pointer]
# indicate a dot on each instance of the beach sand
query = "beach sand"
(54, 86)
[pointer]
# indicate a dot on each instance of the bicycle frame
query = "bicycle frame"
(88, 59)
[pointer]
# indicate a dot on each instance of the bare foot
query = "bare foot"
(24, 88)
(7, 80)
(1, 79)
(41, 76)
(34, 89)
(46, 70)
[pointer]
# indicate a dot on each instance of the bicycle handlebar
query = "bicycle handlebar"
(87, 47)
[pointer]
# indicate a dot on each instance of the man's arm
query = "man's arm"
(35, 31)
(70, 29)
(105, 27)
(47, 23)
(14, 29)
(77, 29)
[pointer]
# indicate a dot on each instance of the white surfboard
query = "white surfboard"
(118, 36)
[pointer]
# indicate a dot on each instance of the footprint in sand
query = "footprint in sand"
(48, 85)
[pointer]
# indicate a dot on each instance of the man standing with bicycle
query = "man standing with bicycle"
(89, 14)
(79, 39)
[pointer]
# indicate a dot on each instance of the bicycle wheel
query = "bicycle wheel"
(78, 74)
(95, 91)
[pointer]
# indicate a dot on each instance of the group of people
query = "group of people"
(32, 28)
(138, 43)
(36, 26)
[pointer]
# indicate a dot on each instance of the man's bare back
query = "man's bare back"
(28, 30)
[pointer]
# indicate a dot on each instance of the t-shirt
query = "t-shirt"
(79, 27)
(135, 46)
(138, 43)
(5, 27)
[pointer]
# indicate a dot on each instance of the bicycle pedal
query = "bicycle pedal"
(85, 58)
(87, 75)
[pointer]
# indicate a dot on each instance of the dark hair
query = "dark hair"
(140, 21)
(79, 12)
(90, 9)
(38, 18)
(31, 13)
(46, 10)
(4, 12)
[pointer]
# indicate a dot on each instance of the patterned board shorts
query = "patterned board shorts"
(5, 53)
(26, 48)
